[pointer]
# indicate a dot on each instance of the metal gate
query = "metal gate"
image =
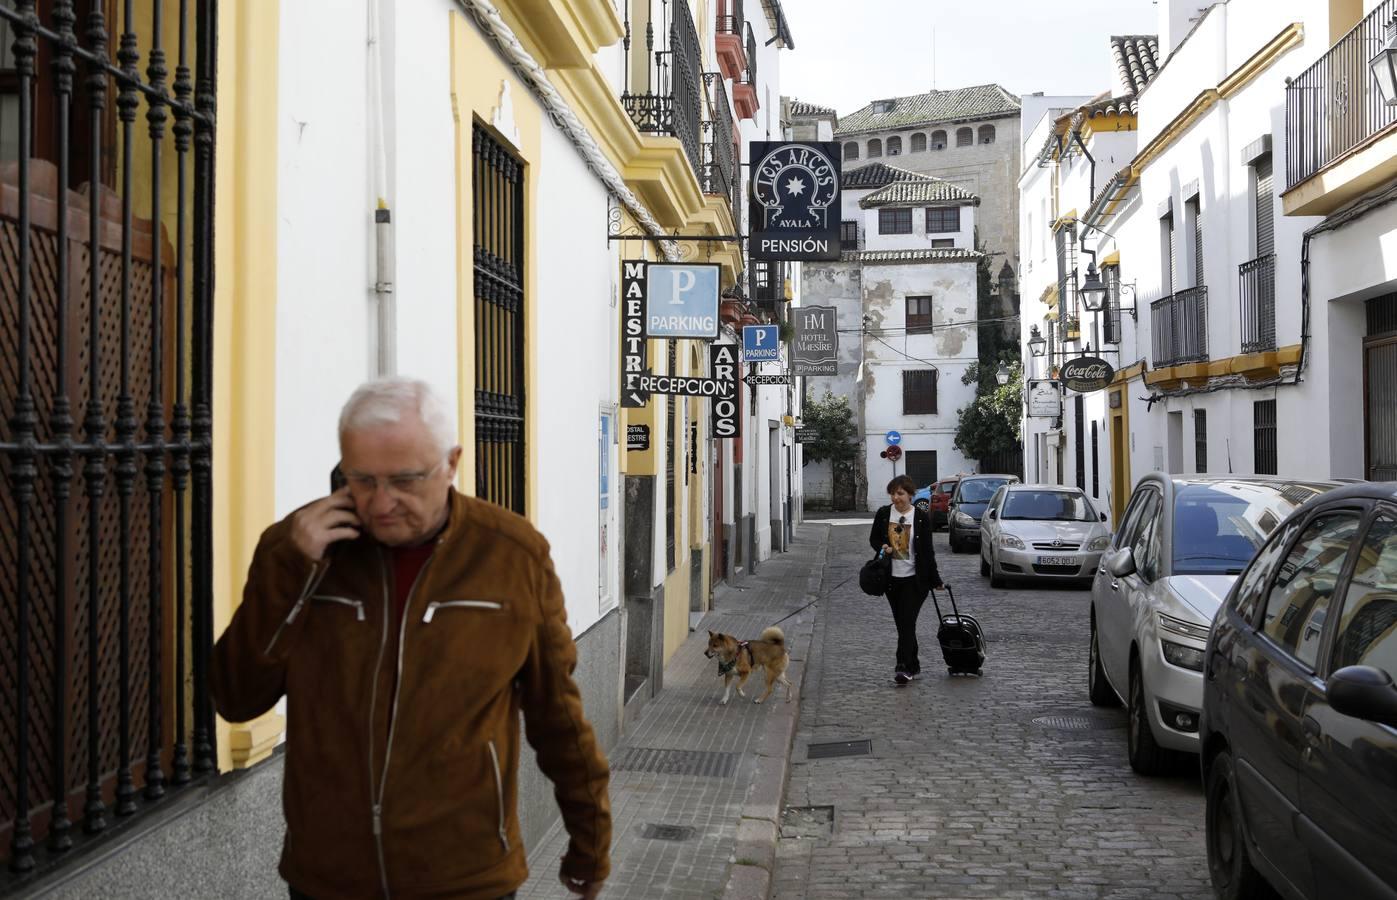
(1380, 389)
(106, 327)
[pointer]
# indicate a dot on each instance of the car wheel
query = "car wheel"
(955, 543)
(996, 579)
(984, 566)
(1098, 688)
(1146, 756)
(923, 505)
(1229, 865)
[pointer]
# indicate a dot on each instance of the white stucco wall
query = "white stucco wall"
(920, 238)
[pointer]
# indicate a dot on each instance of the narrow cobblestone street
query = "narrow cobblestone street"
(971, 789)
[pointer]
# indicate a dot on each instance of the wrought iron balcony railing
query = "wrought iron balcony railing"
(720, 172)
(670, 104)
(1334, 105)
(1179, 326)
(730, 18)
(1258, 293)
(750, 76)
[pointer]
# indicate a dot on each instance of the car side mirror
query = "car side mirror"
(994, 514)
(1364, 693)
(1121, 563)
(1103, 517)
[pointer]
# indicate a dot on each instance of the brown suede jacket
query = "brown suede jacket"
(415, 796)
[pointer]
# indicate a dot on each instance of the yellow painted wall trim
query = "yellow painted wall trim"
(1293, 35)
(1124, 375)
(1355, 173)
(1111, 259)
(252, 742)
(662, 178)
(1067, 218)
(245, 298)
(1050, 296)
(563, 33)
(1254, 366)
(1108, 125)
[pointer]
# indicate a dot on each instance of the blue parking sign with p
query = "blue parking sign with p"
(681, 300)
(761, 343)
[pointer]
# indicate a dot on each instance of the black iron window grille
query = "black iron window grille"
(106, 325)
(942, 219)
(919, 315)
(1264, 436)
(1111, 314)
(1258, 295)
(894, 221)
(1200, 441)
(918, 392)
(670, 104)
(849, 234)
(1180, 327)
(1095, 461)
(1066, 239)
(1335, 105)
(719, 173)
(750, 76)
(499, 322)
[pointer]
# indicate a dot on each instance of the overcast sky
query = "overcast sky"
(847, 54)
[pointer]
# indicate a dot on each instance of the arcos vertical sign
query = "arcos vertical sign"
(794, 203)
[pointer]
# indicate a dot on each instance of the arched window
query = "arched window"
(965, 137)
(875, 148)
(938, 140)
(987, 134)
(851, 150)
(918, 142)
(894, 146)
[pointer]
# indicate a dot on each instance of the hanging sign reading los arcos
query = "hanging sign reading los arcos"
(795, 200)
(681, 300)
(1086, 373)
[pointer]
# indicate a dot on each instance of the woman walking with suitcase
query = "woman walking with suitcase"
(902, 532)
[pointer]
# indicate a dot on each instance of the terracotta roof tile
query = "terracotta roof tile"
(977, 102)
(917, 193)
(898, 256)
(876, 175)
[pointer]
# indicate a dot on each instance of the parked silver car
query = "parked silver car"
(1182, 543)
(1043, 531)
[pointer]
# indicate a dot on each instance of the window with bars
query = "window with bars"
(875, 148)
(918, 392)
(894, 221)
(1111, 315)
(894, 146)
(938, 140)
(1264, 436)
(671, 430)
(921, 466)
(940, 219)
(965, 137)
(849, 233)
(851, 150)
(1200, 440)
(499, 323)
(919, 143)
(919, 315)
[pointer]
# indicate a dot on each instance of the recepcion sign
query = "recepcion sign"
(681, 300)
(815, 348)
(1044, 399)
(1086, 373)
(723, 366)
(795, 200)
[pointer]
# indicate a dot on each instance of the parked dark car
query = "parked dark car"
(968, 503)
(1299, 723)
(935, 498)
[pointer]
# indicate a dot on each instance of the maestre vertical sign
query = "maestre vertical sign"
(815, 348)
(632, 332)
(795, 200)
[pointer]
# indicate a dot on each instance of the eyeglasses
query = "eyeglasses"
(403, 484)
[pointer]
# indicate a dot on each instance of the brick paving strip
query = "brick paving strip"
(710, 835)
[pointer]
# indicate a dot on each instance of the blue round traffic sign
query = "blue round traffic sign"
(894, 438)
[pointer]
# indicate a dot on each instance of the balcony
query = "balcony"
(744, 89)
(1179, 326)
(1337, 124)
(670, 105)
(732, 52)
(719, 174)
(1258, 293)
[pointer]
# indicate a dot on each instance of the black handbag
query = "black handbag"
(875, 575)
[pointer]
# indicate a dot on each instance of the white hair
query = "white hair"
(384, 401)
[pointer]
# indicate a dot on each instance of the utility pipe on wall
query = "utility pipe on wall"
(383, 340)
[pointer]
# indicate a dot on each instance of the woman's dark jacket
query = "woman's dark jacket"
(923, 557)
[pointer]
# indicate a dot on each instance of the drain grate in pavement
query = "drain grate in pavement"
(839, 748)
(656, 832)
(706, 763)
(1075, 723)
(807, 821)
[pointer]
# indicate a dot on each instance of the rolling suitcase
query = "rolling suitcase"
(961, 638)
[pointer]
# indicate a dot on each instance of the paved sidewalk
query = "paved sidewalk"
(678, 835)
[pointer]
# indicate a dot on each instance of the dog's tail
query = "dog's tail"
(774, 635)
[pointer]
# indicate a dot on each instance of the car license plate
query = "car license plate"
(1059, 561)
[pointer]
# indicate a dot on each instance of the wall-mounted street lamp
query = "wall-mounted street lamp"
(1384, 66)
(1002, 376)
(1036, 344)
(1093, 289)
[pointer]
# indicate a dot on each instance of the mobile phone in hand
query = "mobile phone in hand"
(337, 479)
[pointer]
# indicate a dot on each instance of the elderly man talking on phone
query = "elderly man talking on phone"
(408, 626)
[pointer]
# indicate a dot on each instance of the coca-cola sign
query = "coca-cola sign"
(1086, 373)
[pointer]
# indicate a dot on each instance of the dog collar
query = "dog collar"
(725, 668)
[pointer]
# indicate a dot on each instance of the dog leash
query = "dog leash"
(801, 610)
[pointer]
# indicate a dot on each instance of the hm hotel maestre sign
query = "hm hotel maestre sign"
(795, 201)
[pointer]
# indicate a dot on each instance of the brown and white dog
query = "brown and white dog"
(742, 658)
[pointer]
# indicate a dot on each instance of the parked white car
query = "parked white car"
(1041, 531)
(1182, 543)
